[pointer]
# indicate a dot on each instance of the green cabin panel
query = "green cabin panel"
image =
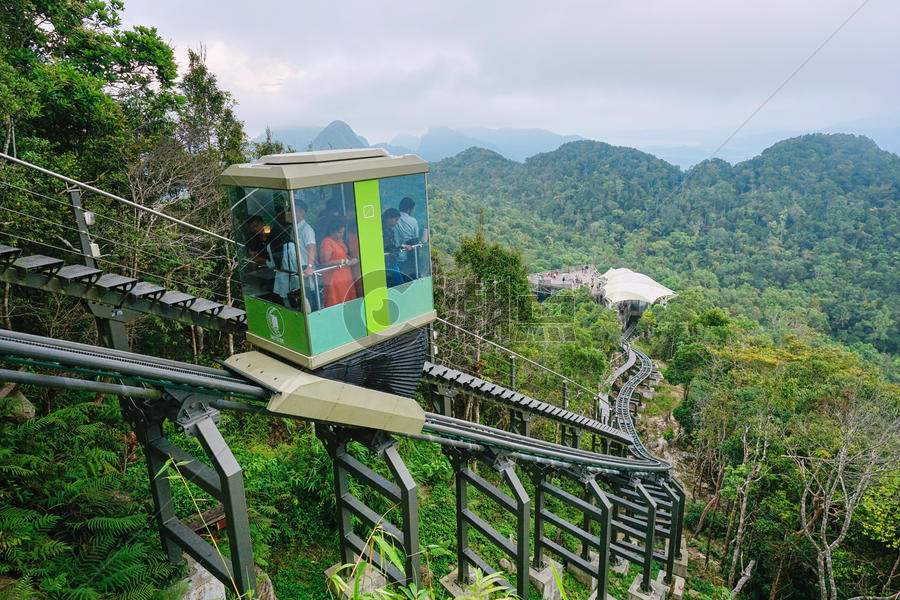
(371, 251)
(412, 299)
(337, 325)
(277, 324)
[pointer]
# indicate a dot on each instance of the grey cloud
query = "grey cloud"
(588, 68)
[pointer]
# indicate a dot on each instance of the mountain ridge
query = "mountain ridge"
(816, 215)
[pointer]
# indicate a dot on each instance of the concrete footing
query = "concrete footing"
(593, 596)
(583, 577)
(680, 567)
(201, 584)
(371, 581)
(452, 586)
(657, 590)
(586, 579)
(676, 588)
(544, 581)
(620, 565)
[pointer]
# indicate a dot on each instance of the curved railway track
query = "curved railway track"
(149, 371)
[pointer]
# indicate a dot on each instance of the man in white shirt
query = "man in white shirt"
(286, 280)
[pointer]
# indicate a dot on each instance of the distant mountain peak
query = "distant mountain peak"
(338, 135)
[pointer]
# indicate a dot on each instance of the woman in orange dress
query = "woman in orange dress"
(334, 253)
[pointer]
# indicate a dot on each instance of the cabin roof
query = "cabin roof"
(299, 170)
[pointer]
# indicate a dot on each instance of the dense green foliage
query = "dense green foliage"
(765, 255)
(69, 522)
(791, 446)
(806, 234)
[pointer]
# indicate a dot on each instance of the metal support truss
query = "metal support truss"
(518, 505)
(570, 436)
(520, 421)
(401, 494)
(669, 515)
(674, 537)
(110, 321)
(442, 399)
(594, 532)
(224, 482)
(677, 515)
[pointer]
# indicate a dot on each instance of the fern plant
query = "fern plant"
(67, 530)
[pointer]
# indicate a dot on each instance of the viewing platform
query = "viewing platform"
(547, 283)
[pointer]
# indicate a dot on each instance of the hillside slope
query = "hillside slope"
(808, 232)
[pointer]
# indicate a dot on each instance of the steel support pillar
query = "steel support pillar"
(403, 494)
(520, 421)
(649, 540)
(112, 332)
(678, 517)
(442, 399)
(519, 504)
(409, 507)
(224, 482)
(231, 486)
(602, 504)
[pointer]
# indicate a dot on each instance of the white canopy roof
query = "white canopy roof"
(625, 284)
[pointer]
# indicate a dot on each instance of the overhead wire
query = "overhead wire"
(113, 196)
(98, 214)
(214, 277)
(517, 355)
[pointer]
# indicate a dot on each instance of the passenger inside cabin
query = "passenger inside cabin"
(283, 258)
(258, 240)
(392, 248)
(259, 277)
(338, 279)
(407, 234)
(333, 208)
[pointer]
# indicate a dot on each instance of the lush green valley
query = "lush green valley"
(807, 235)
(781, 352)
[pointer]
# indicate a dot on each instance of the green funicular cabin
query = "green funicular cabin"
(334, 256)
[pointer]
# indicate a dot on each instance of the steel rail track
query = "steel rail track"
(623, 398)
(126, 366)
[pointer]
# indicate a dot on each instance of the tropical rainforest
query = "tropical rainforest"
(780, 354)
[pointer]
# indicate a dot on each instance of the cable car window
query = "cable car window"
(405, 228)
(329, 229)
(262, 230)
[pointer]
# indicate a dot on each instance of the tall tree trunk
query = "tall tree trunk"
(887, 584)
(6, 317)
(820, 563)
(9, 122)
(732, 507)
(713, 503)
(739, 536)
(776, 583)
(709, 535)
(829, 569)
(745, 577)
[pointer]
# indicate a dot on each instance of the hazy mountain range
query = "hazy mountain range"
(520, 143)
(436, 144)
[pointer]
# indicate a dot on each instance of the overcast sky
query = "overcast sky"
(662, 71)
